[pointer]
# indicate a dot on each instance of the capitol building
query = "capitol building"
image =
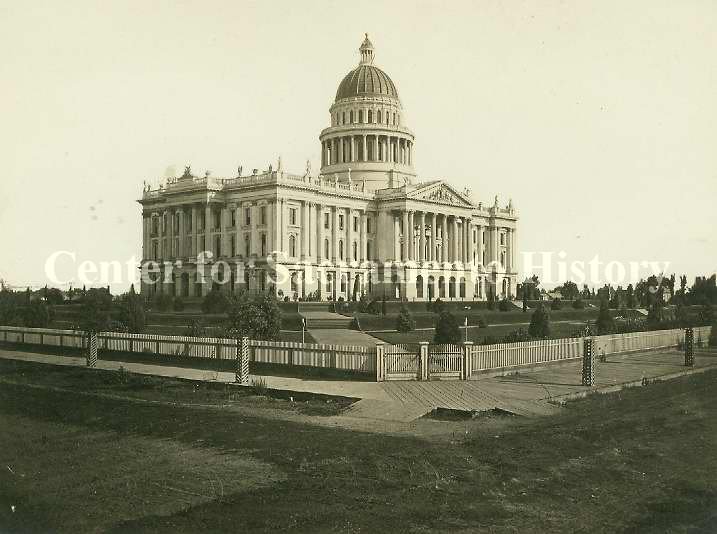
(366, 223)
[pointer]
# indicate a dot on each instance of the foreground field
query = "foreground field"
(86, 451)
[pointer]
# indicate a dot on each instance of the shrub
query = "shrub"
(556, 304)
(195, 329)
(374, 307)
(491, 302)
(447, 329)
(504, 305)
(131, 312)
(162, 302)
(355, 323)
(516, 336)
(178, 304)
(254, 316)
(215, 302)
(539, 323)
(94, 313)
(37, 314)
(578, 304)
(404, 321)
(438, 306)
(482, 321)
(604, 324)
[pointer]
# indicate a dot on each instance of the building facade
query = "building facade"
(364, 224)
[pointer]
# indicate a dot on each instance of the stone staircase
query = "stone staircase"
(324, 320)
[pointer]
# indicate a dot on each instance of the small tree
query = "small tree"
(605, 324)
(556, 304)
(163, 302)
(254, 316)
(37, 314)
(539, 323)
(404, 321)
(131, 313)
(438, 306)
(504, 305)
(447, 329)
(525, 299)
(95, 311)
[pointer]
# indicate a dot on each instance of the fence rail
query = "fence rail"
(403, 361)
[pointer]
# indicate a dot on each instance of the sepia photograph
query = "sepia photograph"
(317, 266)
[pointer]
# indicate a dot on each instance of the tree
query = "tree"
(37, 314)
(605, 324)
(438, 306)
(525, 300)
(569, 290)
(404, 321)
(706, 316)
(578, 304)
(254, 316)
(10, 302)
(54, 296)
(504, 305)
(447, 329)
(162, 302)
(95, 311)
(630, 297)
(539, 323)
(556, 304)
(131, 312)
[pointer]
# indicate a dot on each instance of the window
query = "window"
(343, 283)
(368, 250)
(263, 215)
(247, 216)
(356, 223)
(378, 116)
(247, 245)
(368, 224)
(217, 220)
(341, 249)
(292, 216)
(263, 244)
(234, 217)
(292, 246)
(360, 115)
(218, 245)
(351, 117)
(370, 115)
(294, 282)
(355, 251)
(341, 221)
(326, 249)
(343, 117)
(155, 225)
(155, 250)
(232, 241)
(326, 221)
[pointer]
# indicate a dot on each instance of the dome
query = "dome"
(366, 80)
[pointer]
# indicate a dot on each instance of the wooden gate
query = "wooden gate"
(402, 362)
(445, 361)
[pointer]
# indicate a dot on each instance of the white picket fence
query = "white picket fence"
(397, 361)
(347, 358)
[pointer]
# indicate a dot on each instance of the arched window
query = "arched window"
(462, 288)
(263, 244)
(343, 117)
(292, 246)
(452, 287)
(351, 116)
(442, 287)
(341, 249)
(294, 282)
(326, 249)
(329, 284)
(419, 286)
(502, 259)
(360, 115)
(370, 116)
(394, 118)
(378, 116)
(368, 250)
(431, 288)
(355, 251)
(343, 283)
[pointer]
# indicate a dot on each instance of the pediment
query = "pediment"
(441, 193)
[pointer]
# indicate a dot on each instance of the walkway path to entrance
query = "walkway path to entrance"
(530, 392)
(341, 336)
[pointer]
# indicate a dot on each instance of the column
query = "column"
(364, 237)
(444, 238)
(350, 235)
(340, 141)
(422, 238)
(411, 237)
(471, 231)
(396, 238)
(364, 157)
(320, 232)
(434, 237)
(335, 235)
(404, 247)
(375, 153)
(305, 230)
(454, 240)
(208, 227)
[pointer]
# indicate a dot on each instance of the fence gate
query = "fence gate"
(403, 362)
(445, 361)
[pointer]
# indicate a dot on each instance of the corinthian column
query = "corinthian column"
(404, 248)
(422, 238)
(454, 240)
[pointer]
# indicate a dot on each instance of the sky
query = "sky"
(597, 118)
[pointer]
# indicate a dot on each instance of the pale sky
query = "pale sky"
(598, 118)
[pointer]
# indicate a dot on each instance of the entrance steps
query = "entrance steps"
(323, 320)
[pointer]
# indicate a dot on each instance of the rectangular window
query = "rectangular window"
(247, 245)
(292, 216)
(233, 244)
(263, 215)
(326, 221)
(356, 223)
(341, 222)
(234, 217)
(263, 244)
(502, 239)
(368, 224)
(247, 216)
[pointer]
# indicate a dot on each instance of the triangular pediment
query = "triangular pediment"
(441, 193)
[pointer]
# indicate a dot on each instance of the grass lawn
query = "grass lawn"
(73, 461)
(474, 334)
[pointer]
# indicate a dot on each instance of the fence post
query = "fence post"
(467, 360)
(424, 360)
(689, 347)
(380, 362)
(589, 361)
(92, 350)
(242, 371)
